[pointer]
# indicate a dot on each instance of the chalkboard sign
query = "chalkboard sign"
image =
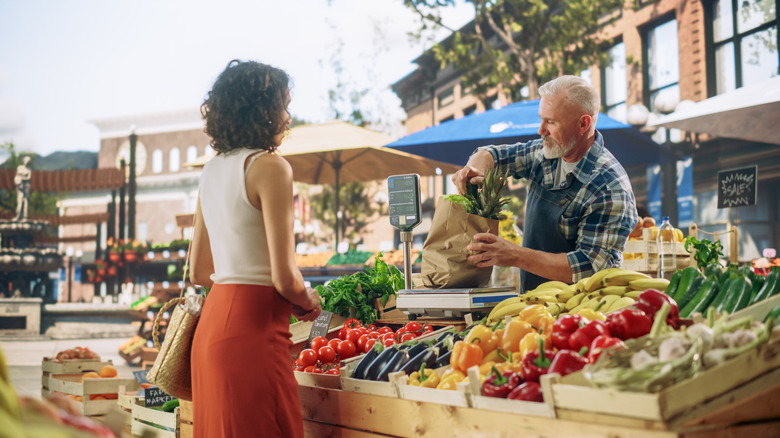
(154, 396)
(140, 376)
(737, 187)
(320, 326)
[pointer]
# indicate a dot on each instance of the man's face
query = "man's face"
(558, 128)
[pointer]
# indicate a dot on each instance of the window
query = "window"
(470, 109)
(175, 160)
(744, 43)
(446, 97)
(157, 161)
(615, 84)
(662, 70)
(192, 153)
(447, 119)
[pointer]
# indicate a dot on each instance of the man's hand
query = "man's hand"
(473, 171)
(492, 251)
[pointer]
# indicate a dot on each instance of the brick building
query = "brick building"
(667, 50)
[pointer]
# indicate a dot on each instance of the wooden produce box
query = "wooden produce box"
(478, 401)
(68, 366)
(759, 311)
(300, 333)
(742, 376)
(69, 384)
(332, 381)
(125, 402)
(642, 255)
(430, 395)
(153, 421)
(186, 419)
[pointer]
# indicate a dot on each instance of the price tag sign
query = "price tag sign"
(320, 326)
(737, 187)
(154, 396)
(140, 376)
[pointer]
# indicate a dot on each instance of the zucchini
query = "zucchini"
(770, 287)
(758, 283)
(693, 287)
(735, 291)
(711, 291)
(688, 275)
(673, 283)
(705, 289)
(744, 296)
(713, 269)
(723, 291)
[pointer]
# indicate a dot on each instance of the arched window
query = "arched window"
(192, 153)
(175, 160)
(157, 161)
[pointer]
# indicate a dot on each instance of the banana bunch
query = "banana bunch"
(607, 290)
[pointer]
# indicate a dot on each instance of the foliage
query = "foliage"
(516, 43)
(706, 252)
(359, 291)
(486, 202)
(41, 203)
(355, 204)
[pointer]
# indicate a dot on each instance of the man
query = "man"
(580, 207)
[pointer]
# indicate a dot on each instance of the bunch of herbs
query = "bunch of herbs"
(704, 251)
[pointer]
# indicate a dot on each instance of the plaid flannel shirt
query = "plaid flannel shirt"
(602, 214)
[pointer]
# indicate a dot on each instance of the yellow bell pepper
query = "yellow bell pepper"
(514, 333)
(484, 337)
(500, 335)
(591, 314)
(485, 368)
(450, 379)
(538, 316)
(531, 342)
(465, 355)
(426, 378)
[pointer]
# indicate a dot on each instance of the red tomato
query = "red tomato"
(371, 327)
(384, 330)
(389, 342)
(310, 369)
(333, 371)
(375, 335)
(318, 342)
(413, 326)
(326, 354)
(387, 336)
(346, 349)
(334, 343)
(407, 337)
(427, 328)
(364, 330)
(353, 335)
(343, 333)
(317, 370)
(352, 323)
(369, 345)
(299, 368)
(308, 357)
(361, 343)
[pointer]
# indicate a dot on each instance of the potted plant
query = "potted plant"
(115, 249)
(134, 250)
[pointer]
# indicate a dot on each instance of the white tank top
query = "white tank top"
(236, 228)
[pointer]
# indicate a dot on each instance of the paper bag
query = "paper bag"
(444, 263)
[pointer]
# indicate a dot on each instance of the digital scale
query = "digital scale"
(405, 214)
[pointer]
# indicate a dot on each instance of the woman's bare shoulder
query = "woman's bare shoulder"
(271, 166)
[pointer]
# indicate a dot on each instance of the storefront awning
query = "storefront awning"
(747, 113)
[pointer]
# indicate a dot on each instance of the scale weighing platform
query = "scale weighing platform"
(405, 214)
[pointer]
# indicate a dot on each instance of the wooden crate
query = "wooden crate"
(430, 395)
(69, 366)
(125, 402)
(153, 421)
(692, 398)
(300, 333)
(186, 419)
(759, 311)
(642, 254)
(478, 401)
(69, 384)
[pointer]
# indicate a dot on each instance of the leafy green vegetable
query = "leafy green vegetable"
(488, 201)
(706, 252)
(359, 290)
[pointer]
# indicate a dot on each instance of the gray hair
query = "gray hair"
(575, 91)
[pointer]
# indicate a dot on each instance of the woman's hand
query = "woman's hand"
(313, 311)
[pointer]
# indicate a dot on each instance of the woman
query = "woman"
(243, 248)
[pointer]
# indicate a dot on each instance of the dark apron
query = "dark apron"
(543, 211)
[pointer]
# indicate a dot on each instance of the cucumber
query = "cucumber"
(688, 275)
(691, 292)
(170, 405)
(706, 288)
(673, 283)
(711, 291)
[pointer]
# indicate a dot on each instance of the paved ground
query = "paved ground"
(24, 358)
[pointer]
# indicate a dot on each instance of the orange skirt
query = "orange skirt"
(242, 379)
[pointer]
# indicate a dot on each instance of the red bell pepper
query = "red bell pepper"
(536, 362)
(600, 344)
(629, 324)
(499, 384)
(528, 391)
(650, 302)
(585, 335)
(568, 361)
(564, 327)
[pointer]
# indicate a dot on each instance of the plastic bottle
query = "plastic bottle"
(667, 256)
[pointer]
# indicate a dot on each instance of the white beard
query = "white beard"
(553, 149)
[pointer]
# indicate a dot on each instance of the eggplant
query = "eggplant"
(379, 363)
(443, 360)
(417, 349)
(428, 356)
(445, 344)
(360, 369)
(443, 336)
(395, 364)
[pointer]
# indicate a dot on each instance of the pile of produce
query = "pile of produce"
(608, 290)
(486, 202)
(107, 372)
(351, 257)
(324, 356)
(76, 353)
(355, 295)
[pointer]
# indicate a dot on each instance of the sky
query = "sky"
(65, 63)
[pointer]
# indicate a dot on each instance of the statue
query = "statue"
(22, 181)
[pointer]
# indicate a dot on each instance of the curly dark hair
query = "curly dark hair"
(245, 107)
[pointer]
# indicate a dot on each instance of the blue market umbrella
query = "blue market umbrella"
(453, 141)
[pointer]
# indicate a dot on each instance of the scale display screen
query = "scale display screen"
(403, 192)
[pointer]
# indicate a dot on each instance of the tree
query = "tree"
(512, 44)
(357, 210)
(41, 203)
